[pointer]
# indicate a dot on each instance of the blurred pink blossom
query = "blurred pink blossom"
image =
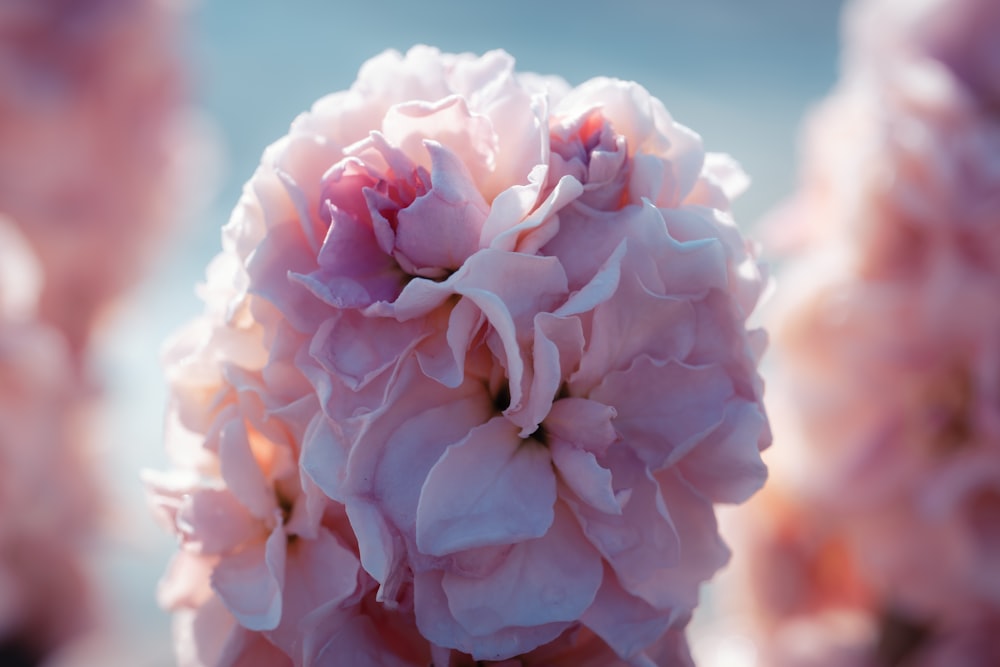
(959, 34)
(886, 390)
(476, 343)
(46, 501)
(89, 126)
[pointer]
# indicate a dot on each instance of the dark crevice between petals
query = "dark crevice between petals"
(18, 651)
(540, 436)
(900, 638)
(286, 504)
(501, 401)
(950, 413)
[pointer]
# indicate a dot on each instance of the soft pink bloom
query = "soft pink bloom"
(89, 95)
(46, 506)
(887, 374)
(477, 342)
(959, 34)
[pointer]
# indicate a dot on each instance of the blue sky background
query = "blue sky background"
(740, 72)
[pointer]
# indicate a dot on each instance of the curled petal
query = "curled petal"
(441, 228)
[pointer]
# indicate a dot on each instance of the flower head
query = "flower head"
(494, 332)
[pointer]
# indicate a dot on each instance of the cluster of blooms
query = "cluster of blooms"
(885, 505)
(44, 500)
(473, 370)
(89, 98)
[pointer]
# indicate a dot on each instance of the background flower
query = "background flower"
(46, 499)
(89, 125)
(886, 374)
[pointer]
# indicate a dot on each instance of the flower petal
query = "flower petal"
(640, 543)
(665, 408)
(627, 623)
(438, 625)
(250, 581)
(441, 228)
(726, 466)
(491, 488)
(550, 579)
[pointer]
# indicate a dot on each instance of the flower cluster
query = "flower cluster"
(90, 93)
(887, 350)
(45, 503)
(473, 370)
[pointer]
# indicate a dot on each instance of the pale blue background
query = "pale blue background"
(740, 72)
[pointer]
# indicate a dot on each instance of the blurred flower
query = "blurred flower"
(887, 378)
(46, 502)
(89, 128)
(473, 371)
(959, 34)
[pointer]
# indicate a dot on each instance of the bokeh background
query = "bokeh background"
(740, 73)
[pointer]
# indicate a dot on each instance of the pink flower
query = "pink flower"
(88, 131)
(46, 504)
(499, 327)
(959, 34)
(886, 370)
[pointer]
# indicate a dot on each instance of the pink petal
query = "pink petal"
(201, 634)
(665, 408)
(546, 580)
(355, 349)
(448, 122)
(396, 448)
(584, 423)
(726, 466)
(519, 122)
(213, 521)
(702, 551)
(491, 488)
(640, 543)
(567, 335)
(443, 357)
(510, 207)
(285, 251)
(324, 456)
(242, 473)
(186, 582)
(438, 625)
(581, 472)
(353, 271)
(546, 379)
(507, 230)
(250, 581)
(352, 639)
(634, 322)
(441, 228)
(627, 623)
(510, 289)
(320, 571)
(587, 242)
